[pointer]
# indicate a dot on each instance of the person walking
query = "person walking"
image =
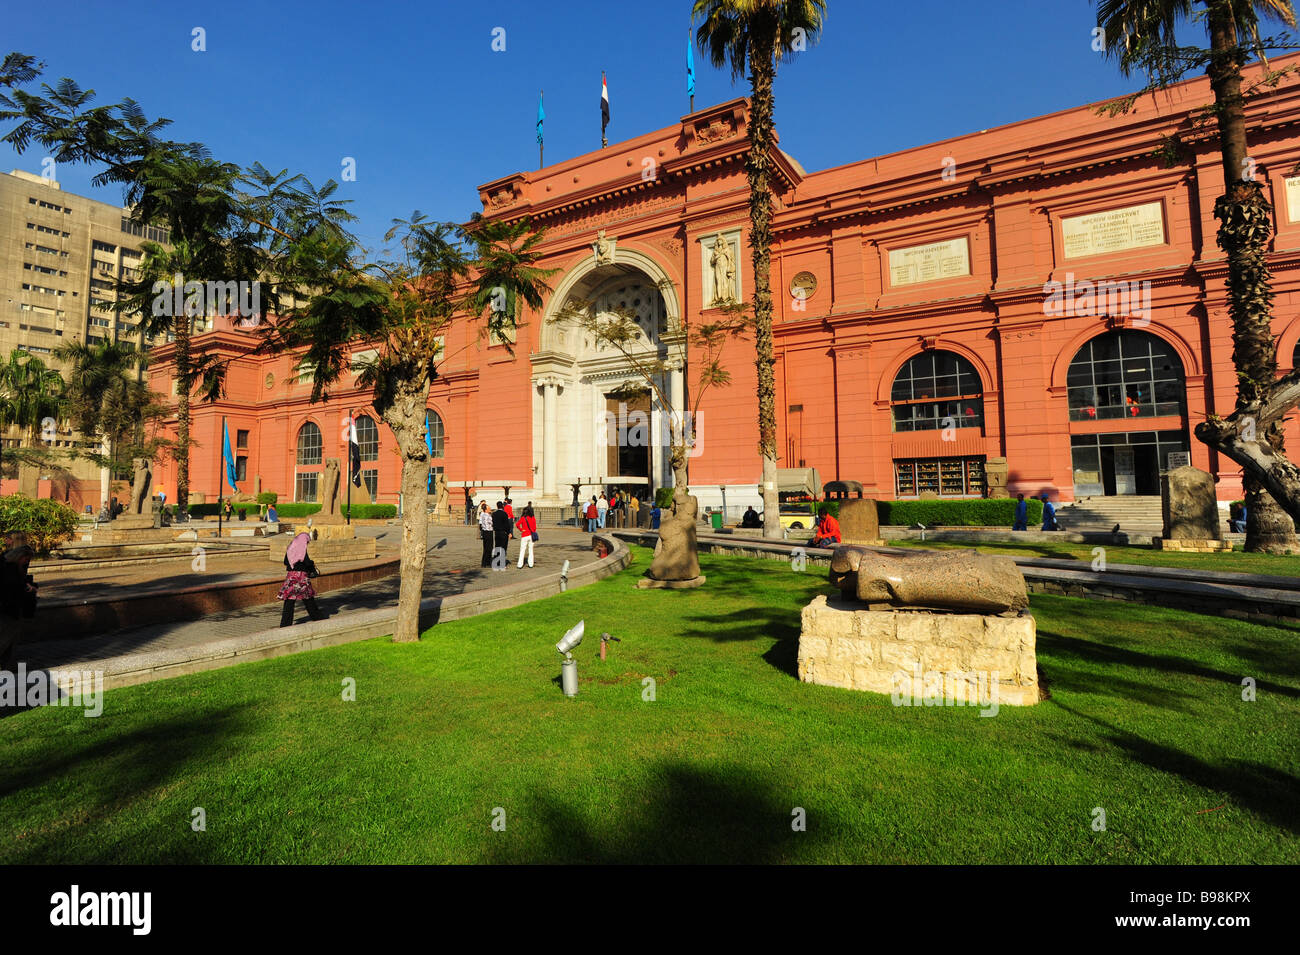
(592, 516)
(1049, 515)
(655, 514)
(501, 530)
(1022, 514)
(297, 582)
(527, 527)
(602, 510)
(485, 532)
(469, 509)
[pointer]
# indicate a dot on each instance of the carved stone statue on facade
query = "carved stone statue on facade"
(604, 249)
(330, 510)
(724, 271)
(142, 487)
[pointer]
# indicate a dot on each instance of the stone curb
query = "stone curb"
(145, 667)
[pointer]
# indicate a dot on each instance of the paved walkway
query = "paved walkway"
(452, 568)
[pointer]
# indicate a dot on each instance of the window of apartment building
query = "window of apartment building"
(46, 205)
(48, 231)
(44, 268)
(41, 288)
(36, 348)
(152, 233)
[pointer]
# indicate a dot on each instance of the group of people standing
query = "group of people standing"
(620, 509)
(498, 526)
(1021, 522)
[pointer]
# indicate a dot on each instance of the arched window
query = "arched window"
(307, 475)
(309, 444)
(368, 438)
(935, 386)
(1125, 374)
(433, 423)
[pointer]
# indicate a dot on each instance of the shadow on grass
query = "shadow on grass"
(691, 814)
(1121, 657)
(1265, 791)
(103, 776)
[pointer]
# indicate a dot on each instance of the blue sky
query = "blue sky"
(414, 92)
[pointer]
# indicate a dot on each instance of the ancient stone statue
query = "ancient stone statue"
(960, 581)
(330, 510)
(724, 271)
(1189, 505)
(676, 562)
(142, 487)
(604, 249)
(441, 504)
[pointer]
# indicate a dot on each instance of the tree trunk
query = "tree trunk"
(406, 418)
(182, 334)
(1245, 226)
(763, 72)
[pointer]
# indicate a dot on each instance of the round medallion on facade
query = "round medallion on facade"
(803, 285)
(270, 381)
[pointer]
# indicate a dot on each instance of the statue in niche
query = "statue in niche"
(724, 271)
(604, 249)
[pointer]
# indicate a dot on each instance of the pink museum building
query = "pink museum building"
(1047, 292)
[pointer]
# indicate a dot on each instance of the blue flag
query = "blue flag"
(428, 441)
(690, 66)
(228, 456)
(541, 118)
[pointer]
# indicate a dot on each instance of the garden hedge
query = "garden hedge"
(978, 512)
(46, 523)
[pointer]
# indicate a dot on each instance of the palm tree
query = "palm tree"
(30, 393)
(402, 309)
(1141, 35)
(756, 34)
(104, 397)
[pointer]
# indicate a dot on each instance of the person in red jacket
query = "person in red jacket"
(828, 529)
(592, 516)
(527, 527)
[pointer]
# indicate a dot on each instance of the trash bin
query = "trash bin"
(716, 516)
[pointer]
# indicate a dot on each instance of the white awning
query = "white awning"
(798, 481)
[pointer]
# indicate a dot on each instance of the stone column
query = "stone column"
(550, 438)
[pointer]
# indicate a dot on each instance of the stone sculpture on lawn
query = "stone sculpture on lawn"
(676, 563)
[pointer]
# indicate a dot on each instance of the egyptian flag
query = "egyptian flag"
(604, 103)
(354, 453)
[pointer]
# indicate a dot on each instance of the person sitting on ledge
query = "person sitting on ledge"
(828, 529)
(1238, 522)
(750, 519)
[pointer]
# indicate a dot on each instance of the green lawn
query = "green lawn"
(1146, 721)
(1236, 560)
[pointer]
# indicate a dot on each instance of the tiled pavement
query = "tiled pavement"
(452, 568)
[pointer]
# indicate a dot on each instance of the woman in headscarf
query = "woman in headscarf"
(297, 583)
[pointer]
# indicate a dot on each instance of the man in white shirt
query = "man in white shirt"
(601, 507)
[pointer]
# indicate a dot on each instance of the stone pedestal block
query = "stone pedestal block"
(970, 659)
(859, 523)
(1189, 505)
(1193, 546)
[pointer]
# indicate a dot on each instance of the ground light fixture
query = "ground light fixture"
(569, 669)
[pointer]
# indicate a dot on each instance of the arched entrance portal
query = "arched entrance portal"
(1128, 414)
(596, 418)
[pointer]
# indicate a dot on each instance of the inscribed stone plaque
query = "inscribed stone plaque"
(1293, 199)
(929, 263)
(1132, 227)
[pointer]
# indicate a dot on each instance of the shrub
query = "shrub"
(664, 497)
(47, 523)
(203, 510)
(364, 512)
(998, 512)
(267, 497)
(296, 509)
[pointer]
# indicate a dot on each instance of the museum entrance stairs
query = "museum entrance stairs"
(1135, 513)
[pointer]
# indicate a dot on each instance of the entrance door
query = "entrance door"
(1125, 483)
